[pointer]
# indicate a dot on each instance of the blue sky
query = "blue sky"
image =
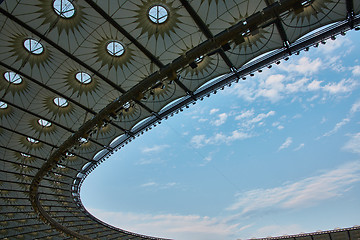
(275, 154)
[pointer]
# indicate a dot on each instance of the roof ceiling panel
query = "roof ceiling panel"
(255, 43)
(221, 14)
(312, 16)
(152, 34)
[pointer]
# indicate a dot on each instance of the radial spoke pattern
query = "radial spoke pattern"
(65, 62)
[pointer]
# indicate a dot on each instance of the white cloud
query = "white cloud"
(207, 159)
(356, 70)
(221, 120)
(344, 86)
(299, 147)
(181, 227)
(353, 145)
(203, 120)
(155, 148)
(304, 193)
(146, 161)
(314, 85)
(149, 184)
(277, 230)
(245, 114)
(286, 144)
(261, 117)
(158, 185)
(272, 87)
(214, 110)
(304, 66)
(355, 107)
(297, 79)
(198, 141)
(258, 119)
(337, 127)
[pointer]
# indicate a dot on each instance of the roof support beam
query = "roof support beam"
(350, 12)
(205, 30)
(280, 27)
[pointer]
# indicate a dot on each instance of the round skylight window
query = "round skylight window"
(12, 77)
(3, 105)
(61, 102)
(31, 140)
(69, 154)
(44, 123)
(64, 8)
(199, 59)
(307, 3)
(115, 48)
(83, 77)
(25, 155)
(158, 14)
(83, 140)
(33, 46)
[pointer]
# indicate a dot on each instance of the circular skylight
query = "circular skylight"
(83, 140)
(44, 123)
(115, 48)
(64, 8)
(69, 154)
(158, 14)
(12, 77)
(83, 77)
(127, 105)
(31, 140)
(3, 105)
(307, 3)
(199, 59)
(33, 46)
(61, 102)
(25, 155)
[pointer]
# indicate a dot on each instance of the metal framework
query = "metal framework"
(47, 148)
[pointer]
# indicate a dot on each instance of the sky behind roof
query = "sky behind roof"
(275, 154)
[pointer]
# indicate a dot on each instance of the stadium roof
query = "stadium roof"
(80, 79)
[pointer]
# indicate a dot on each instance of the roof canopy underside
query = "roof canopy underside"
(62, 62)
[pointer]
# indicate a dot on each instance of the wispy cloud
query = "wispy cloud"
(295, 77)
(356, 70)
(302, 145)
(155, 148)
(202, 140)
(245, 114)
(354, 109)
(286, 144)
(248, 121)
(337, 127)
(307, 192)
(353, 145)
(221, 119)
(182, 227)
(156, 185)
(304, 66)
(146, 161)
(214, 110)
(344, 86)
(149, 184)
(278, 230)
